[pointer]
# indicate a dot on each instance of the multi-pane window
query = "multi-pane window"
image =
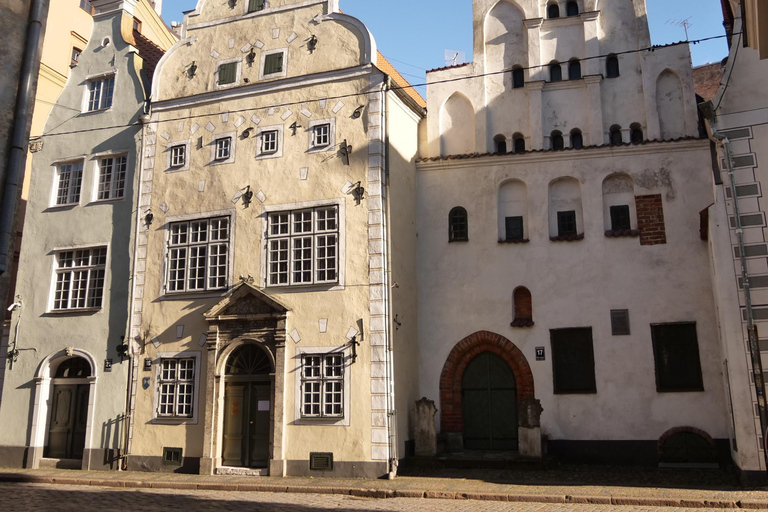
(198, 255)
(100, 93)
(321, 135)
(227, 73)
(322, 386)
(179, 155)
(112, 173)
(256, 5)
(620, 219)
(303, 247)
(70, 180)
(75, 56)
(273, 63)
(80, 279)
(269, 141)
(177, 388)
(86, 6)
(458, 225)
(676, 354)
(137, 25)
(223, 148)
(566, 223)
(514, 228)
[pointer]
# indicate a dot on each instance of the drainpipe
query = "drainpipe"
(17, 158)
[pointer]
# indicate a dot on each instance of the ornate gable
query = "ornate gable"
(245, 301)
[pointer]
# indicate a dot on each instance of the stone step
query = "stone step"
(47, 463)
(470, 461)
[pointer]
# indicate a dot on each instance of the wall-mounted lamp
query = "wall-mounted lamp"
(247, 197)
(345, 151)
(148, 218)
(247, 132)
(358, 112)
(122, 348)
(250, 58)
(312, 43)
(192, 69)
(358, 193)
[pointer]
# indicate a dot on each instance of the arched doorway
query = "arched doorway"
(489, 403)
(247, 407)
(66, 430)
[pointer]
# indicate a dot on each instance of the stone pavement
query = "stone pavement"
(596, 488)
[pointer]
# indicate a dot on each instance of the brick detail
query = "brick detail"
(461, 355)
(523, 304)
(650, 219)
(677, 430)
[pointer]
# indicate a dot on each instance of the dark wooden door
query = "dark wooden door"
(489, 404)
(69, 416)
(246, 424)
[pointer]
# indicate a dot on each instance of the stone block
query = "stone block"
(529, 442)
(425, 434)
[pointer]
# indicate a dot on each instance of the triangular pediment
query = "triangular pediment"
(246, 301)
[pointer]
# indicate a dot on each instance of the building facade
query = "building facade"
(268, 306)
(66, 367)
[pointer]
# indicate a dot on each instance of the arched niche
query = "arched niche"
(457, 126)
(513, 211)
(506, 37)
(565, 209)
(669, 105)
(619, 212)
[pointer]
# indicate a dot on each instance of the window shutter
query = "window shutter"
(227, 73)
(273, 63)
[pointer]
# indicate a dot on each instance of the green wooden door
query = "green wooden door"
(489, 404)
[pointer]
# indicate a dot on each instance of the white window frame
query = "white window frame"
(71, 201)
(188, 155)
(238, 73)
(260, 154)
(176, 420)
(114, 191)
(189, 245)
(87, 92)
(299, 417)
(279, 74)
(331, 146)
(232, 136)
(70, 271)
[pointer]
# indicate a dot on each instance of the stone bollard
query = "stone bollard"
(424, 431)
(529, 431)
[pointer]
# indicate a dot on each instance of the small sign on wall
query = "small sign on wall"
(541, 354)
(147, 364)
(107, 365)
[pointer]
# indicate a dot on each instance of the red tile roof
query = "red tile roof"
(387, 67)
(149, 51)
(706, 80)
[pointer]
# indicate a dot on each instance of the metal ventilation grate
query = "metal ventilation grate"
(321, 461)
(620, 322)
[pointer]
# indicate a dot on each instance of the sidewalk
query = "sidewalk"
(565, 484)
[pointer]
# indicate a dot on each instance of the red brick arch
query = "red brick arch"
(461, 355)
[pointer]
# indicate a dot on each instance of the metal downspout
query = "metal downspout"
(17, 158)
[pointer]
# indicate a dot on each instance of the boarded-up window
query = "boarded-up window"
(227, 73)
(523, 307)
(573, 361)
(676, 353)
(273, 63)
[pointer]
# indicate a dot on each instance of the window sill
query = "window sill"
(580, 392)
(174, 421)
(61, 207)
(325, 422)
(515, 241)
(177, 169)
(266, 156)
(91, 112)
(522, 322)
(321, 149)
(567, 238)
(202, 294)
(458, 240)
(316, 287)
(685, 390)
(622, 233)
(97, 202)
(72, 312)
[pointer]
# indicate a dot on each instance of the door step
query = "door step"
(235, 471)
(61, 463)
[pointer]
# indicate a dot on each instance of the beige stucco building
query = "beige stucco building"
(268, 303)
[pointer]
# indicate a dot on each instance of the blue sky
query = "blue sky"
(414, 34)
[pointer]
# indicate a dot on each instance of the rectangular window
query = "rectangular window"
(70, 178)
(177, 388)
(303, 247)
(269, 141)
(514, 228)
(137, 25)
(227, 73)
(80, 279)
(223, 148)
(321, 135)
(100, 93)
(566, 223)
(179, 155)
(620, 219)
(75, 56)
(322, 386)
(86, 6)
(112, 173)
(198, 255)
(256, 5)
(573, 361)
(273, 63)
(676, 354)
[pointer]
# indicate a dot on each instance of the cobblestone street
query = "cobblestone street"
(70, 498)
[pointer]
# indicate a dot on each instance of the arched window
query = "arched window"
(612, 66)
(518, 77)
(574, 70)
(519, 142)
(513, 212)
(556, 139)
(553, 11)
(73, 368)
(577, 139)
(636, 133)
(458, 229)
(500, 143)
(523, 306)
(616, 138)
(555, 72)
(619, 215)
(572, 9)
(566, 218)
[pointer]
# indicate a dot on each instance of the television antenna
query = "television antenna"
(686, 24)
(454, 57)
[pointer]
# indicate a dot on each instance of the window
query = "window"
(273, 63)
(321, 135)
(519, 141)
(676, 354)
(514, 228)
(86, 6)
(179, 155)
(137, 25)
(70, 179)
(76, 52)
(518, 77)
(620, 219)
(227, 73)
(269, 142)
(616, 136)
(523, 307)
(112, 171)
(555, 72)
(612, 66)
(256, 5)
(80, 279)
(573, 361)
(198, 255)
(176, 385)
(553, 11)
(572, 9)
(223, 148)
(556, 140)
(500, 142)
(636, 133)
(303, 247)
(566, 223)
(322, 386)
(577, 139)
(100, 93)
(458, 228)
(574, 70)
